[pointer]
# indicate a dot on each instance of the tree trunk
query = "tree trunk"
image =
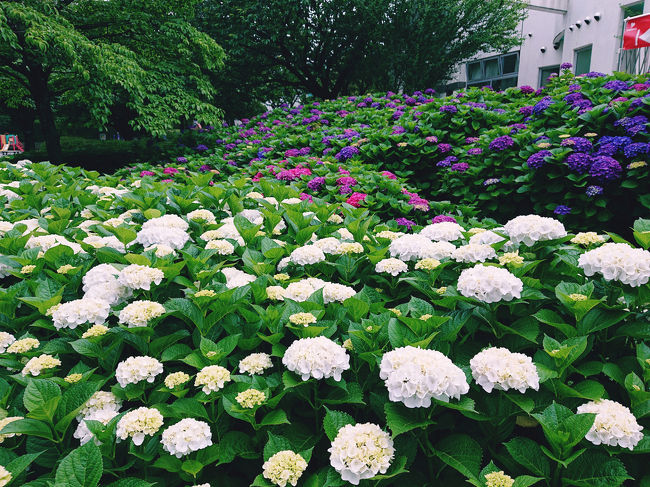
(43, 100)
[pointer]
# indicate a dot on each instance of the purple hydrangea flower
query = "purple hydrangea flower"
(579, 162)
(501, 143)
(632, 125)
(618, 142)
(605, 168)
(526, 111)
(444, 148)
(398, 129)
(449, 109)
(459, 167)
(181, 160)
(443, 218)
(447, 161)
(526, 89)
(491, 181)
(404, 222)
(566, 66)
(542, 105)
(538, 159)
(316, 183)
(637, 149)
(204, 168)
(594, 191)
(616, 85)
(347, 153)
(562, 210)
(575, 87)
(595, 74)
(579, 144)
(201, 148)
(345, 190)
(474, 151)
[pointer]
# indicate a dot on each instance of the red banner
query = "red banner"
(637, 32)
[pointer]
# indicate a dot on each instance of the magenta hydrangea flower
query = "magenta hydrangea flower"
(305, 196)
(443, 218)
(388, 174)
(170, 170)
(147, 173)
(346, 181)
(355, 199)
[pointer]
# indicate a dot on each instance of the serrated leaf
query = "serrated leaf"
(80, 468)
(334, 421)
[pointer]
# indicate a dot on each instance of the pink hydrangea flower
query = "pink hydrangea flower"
(355, 199)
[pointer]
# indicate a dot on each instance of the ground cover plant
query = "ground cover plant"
(185, 328)
(575, 150)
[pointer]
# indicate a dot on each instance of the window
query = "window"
(583, 60)
(499, 72)
(544, 73)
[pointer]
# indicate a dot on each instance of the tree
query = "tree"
(143, 55)
(331, 47)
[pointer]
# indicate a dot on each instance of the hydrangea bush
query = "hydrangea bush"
(569, 150)
(317, 343)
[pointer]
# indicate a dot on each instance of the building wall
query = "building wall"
(548, 18)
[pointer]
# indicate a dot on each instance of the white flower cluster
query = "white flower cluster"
(489, 284)
(134, 369)
(391, 266)
(138, 313)
(203, 216)
(46, 242)
(139, 423)
(499, 368)
(223, 247)
(445, 231)
(255, 363)
(617, 262)
(285, 467)
(6, 339)
(307, 254)
(236, 278)
(212, 378)
(328, 245)
(486, 238)
(100, 401)
(137, 276)
(161, 250)
(336, 292)
(303, 289)
(186, 436)
(317, 357)
(227, 230)
(80, 311)
(110, 241)
(361, 451)
(416, 247)
(101, 282)
(83, 434)
(614, 424)
(349, 248)
(529, 229)
(473, 253)
(36, 365)
(169, 230)
(413, 376)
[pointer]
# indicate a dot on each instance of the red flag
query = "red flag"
(637, 32)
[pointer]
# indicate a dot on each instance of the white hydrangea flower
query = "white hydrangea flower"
(80, 311)
(86, 224)
(203, 216)
(255, 363)
(161, 250)
(361, 451)
(389, 235)
(4, 422)
(36, 365)
(6, 339)
(254, 216)
(284, 262)
(172, 237)
(227, 230)
(112, 292)
(528, 229)
(587, 238)
(139, 313)
(276, 293)
(236, 278)
(250, 398)
(5, 226)
(285, 467)
(46, 242)
(349, 248)
(413, 376)
(336, 292)
(167, 221)
(135, 369)
(223, 247)
(416, 247)
(501, 369)
(473, 253)
(317, 357)
(186, 436)
(99, 242)
(614, 424)
(345, 234)
(489, 284)
(304, 319)
(23, 345)
(303, 289)
(83, 434)
(617, 262)
(139, 423)
(100, 401)
(137, 276)
(10, 195)
(443, 231)
(99, 274)
(487, 237)
(328, 245)
(391, 266)
(212, 378)
(307, 254)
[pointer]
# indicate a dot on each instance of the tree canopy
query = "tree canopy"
(146, 56)
(331, 47)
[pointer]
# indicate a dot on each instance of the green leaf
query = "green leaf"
(527, 453)
(334, 421)
(401, 419)
(275, 444)
(18, 465)
(131, 482)
(461, 453)
(277, 416)
(80, 468)
(28, 427)
(595, 469)
(41, 398)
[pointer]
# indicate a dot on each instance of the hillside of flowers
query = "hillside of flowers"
(177, 327)
(575, 150)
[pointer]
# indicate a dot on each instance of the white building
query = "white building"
(585, 33)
